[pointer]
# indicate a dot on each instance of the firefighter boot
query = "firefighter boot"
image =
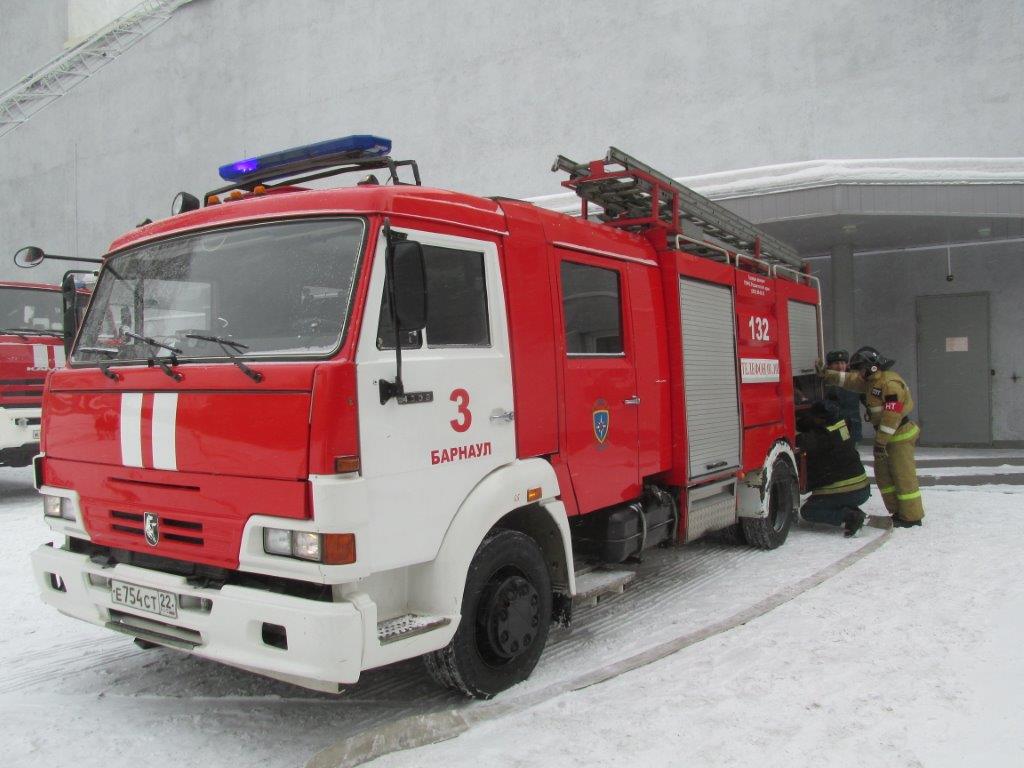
(853, 521)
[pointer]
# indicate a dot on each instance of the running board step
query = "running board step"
(151, 636)
(592, 585)
(409, 625)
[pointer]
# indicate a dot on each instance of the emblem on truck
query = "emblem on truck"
(151, 527)
(601, 421)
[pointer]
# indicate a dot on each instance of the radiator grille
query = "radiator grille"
(171, 529)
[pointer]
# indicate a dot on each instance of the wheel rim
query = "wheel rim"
(780, 503)
(508, 617)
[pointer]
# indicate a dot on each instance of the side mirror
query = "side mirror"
(410, 284)
(29, 257)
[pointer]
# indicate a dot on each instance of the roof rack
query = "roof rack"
(635, 197)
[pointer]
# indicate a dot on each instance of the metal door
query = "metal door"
(420, 460)
(953, 376)
(601, 423)
(709, 376)
(803, 337)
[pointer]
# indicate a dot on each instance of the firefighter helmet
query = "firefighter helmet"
(820, 414)
(869, 360)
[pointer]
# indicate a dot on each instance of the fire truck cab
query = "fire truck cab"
(31, 345)
(312, 432)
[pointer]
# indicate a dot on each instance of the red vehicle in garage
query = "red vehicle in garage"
(310, 432)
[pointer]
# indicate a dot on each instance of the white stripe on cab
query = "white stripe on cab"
(131, 429)
(165, 414)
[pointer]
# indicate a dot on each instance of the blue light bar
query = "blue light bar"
(360, 147)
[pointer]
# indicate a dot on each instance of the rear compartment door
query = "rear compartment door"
(709, 377)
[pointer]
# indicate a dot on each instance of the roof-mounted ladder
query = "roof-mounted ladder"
(635, 196)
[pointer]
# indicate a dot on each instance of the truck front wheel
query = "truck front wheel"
(506, 614)
(771, 531)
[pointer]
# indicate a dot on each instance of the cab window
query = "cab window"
(592, 304)
(456, 303)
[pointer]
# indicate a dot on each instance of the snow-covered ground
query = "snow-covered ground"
(909, 657)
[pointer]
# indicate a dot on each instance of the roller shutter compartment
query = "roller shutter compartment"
(709, 375)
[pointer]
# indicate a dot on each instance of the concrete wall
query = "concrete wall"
(887, 285)
(484, 94)
(88, 16)
(31, 33)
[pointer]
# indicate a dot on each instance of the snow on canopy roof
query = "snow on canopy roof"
(788, 177)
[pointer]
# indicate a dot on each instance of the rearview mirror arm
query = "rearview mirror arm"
(390, 389)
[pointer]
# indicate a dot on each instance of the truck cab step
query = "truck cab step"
(408, 625)
(596, 583)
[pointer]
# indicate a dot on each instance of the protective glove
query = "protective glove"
(819, 367)
(881, 452)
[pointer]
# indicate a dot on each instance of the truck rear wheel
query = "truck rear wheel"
(771, 531)
(506, 615)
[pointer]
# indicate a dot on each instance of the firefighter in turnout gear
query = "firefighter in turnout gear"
(849, 402)
(888, 402)
(835, 474)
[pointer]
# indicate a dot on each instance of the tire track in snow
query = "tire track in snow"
(32, 670)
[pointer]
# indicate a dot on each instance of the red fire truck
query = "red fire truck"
(310, 432)
(31, 345)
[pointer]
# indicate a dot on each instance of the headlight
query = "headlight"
(58, 506)
(277, 542)
(327, 548)
(306, 545)
(51, 506)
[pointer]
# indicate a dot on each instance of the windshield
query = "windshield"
(266, 291)
(27, 309)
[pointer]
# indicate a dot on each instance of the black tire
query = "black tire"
(18, 458)
(771, 532)
(506, 615)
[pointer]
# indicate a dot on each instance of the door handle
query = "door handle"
(506, 416)
(634, 400)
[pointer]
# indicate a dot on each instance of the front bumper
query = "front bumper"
(325, 641)
(19, 429)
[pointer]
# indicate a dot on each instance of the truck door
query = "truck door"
(420, 460)
(600, 408)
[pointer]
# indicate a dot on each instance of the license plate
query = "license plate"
(144, 599)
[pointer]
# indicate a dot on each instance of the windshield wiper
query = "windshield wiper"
(158, 362)
(26, 332)
(227, 345)
(151, 342)
(104, 366)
